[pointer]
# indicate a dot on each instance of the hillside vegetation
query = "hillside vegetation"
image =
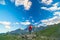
(50, 31)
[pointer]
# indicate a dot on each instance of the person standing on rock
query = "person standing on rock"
(30, 29)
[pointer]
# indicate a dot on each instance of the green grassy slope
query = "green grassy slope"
(10, 37)
(53, 31)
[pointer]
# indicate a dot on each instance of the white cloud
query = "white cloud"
(12, 0)
(48, 2)
(53, 20)
(26, 3)
(16, 23)
(42, 25)
(57, 13)
(53, 8)
(25, 23)
(56, 18)
(6, 24)
(33, 21)
(2, 2)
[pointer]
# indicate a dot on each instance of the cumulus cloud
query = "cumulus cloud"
(53, 20)
(48, 2)
(6, 24)
(2, 2)
(25, 23)
(56, 14)
(26, 3)
(53, 8)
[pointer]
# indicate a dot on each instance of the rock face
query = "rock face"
(29, 36)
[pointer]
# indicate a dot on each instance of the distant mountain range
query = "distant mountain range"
(20, 31)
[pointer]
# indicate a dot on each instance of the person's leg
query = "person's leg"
(29, 31)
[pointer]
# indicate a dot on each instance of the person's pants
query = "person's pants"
(29, 31)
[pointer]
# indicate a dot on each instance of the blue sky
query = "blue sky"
(15, 14)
